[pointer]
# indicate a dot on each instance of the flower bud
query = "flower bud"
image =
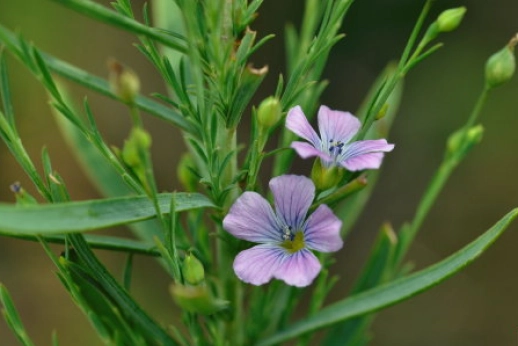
(192, 270)
(197, 299)
(138, 141)
(447, 21)
(450, 19)
(325, 178)
(133, 153)
(501, 65)
(462, 141)
(269, 112)
(124, 82)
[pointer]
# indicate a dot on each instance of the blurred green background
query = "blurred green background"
(479, 306)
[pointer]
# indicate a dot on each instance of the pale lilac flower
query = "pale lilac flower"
(285, 235)
(334, 146)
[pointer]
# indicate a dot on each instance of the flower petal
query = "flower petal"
(323, 231)
(293, 196)
(299, 269)
(257, 265)
(336, 125)
(365, 154)
(297, 122)
(251, 218)
(306, 150)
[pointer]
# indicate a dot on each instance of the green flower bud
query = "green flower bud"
(192, 270)
(326, 177)
(185, 174)
(269, 112)
(133, 153)
(197, 299)
(447, 21)
(462, 141)
(450, 19)
(124, 82)
(501, 65)
(138, 141)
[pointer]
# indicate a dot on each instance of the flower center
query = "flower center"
(293, 240)
(335, 147)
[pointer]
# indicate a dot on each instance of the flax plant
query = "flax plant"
(230, 291)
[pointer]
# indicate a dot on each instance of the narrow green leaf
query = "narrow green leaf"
(90, 81)
(103, 242)
(127, 307)
(396, 291)
(13, 318)
(103, 14)
(250, 80)
(97, 167)
(106, 316)
(89, 215)
(103, 175)
(128, 272)
(5, 94)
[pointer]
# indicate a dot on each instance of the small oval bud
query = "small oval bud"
(450, 19)
(462, 141)
(192, 270)
(138, 141)
(269, 112)
(124, 82)
(500, 66)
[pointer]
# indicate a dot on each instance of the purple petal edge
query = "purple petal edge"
(299, 269)
(337, 125)
(322, 231)
(297, 122)
(251, 218)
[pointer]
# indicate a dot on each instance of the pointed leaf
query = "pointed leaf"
(89, 215)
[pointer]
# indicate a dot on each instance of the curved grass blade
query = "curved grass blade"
(83, 216)
(396, 291)
(13, 318)
(102, 242)
(103, 14)
(100, 85)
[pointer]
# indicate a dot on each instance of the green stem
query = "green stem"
(439, 179)
(413, 36)
(256, 157)
(135, 115)
(404, 65)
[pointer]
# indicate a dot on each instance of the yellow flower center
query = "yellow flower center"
(295, 244)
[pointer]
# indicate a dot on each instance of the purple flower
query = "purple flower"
(333, 146)
(285, 236)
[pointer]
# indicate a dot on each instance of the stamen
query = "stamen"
(338, 145)
(286, 233)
